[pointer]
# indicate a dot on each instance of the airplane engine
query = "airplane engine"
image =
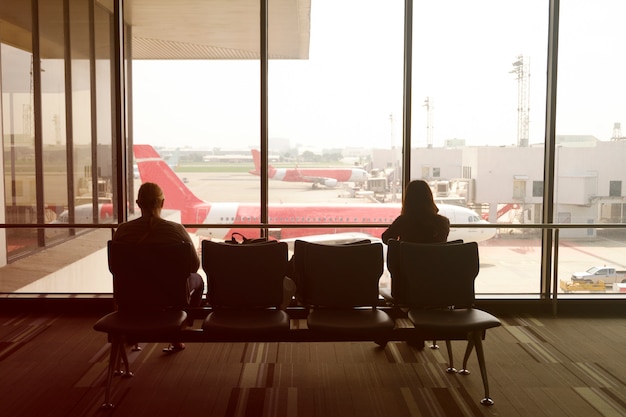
(330, 182)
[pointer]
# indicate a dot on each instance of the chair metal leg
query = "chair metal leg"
(126, 372)
(468, 352)
(434, 345)
(476, 336)
(122, 358)
(451, 369)
(116, 343)
(117, 355)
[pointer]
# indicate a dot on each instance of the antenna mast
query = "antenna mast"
(430, 108)
(617, 132)
(522, 69)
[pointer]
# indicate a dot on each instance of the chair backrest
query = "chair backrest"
(399, 289)
(149, 276)
(338, 275)
(434, 275)
(245, 275)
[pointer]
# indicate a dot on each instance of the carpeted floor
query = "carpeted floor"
(54, 365)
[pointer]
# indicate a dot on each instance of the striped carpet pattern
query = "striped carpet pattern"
(54, 365)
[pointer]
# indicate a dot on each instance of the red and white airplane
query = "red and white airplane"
(153, 168)
(328, 177)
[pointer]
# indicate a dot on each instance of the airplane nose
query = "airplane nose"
(491, 232)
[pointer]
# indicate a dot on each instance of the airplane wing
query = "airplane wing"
(333, 238)
(328, 182)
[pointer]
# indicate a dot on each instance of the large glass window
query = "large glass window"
(328, 110)
(82, 121)
(201, 114)
(18, 130)
(590, 163)
(102, 184)
(477, 115)
(53, 114)
(47, 138)
(335, 119)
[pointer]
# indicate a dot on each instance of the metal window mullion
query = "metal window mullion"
(128, 57)
(264, 197)
(69, 115)
(37, 109)
(119, 148)
(406, 93)
(94, 111)
(549, 148)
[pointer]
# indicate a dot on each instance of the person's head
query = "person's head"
(418, 199)
(150, 199)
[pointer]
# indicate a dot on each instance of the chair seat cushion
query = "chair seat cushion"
(142, 323)
(251, 320)
(443, 321)
(350, 320)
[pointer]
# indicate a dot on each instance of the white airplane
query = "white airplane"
(328, 177)
(83, 214)
(193, 210)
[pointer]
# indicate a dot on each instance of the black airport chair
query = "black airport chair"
(439, 284)
(150, 291)
(245, 288)
(339, 284)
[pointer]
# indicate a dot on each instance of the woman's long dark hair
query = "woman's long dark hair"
(418, 199)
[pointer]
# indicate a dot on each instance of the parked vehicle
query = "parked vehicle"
(596, 274)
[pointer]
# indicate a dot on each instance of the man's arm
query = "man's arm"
(195, 260)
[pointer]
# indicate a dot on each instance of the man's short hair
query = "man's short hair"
(150, 195)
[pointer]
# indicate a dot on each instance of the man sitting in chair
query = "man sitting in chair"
(151, 228)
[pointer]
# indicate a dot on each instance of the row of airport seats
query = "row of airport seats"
(337, 285)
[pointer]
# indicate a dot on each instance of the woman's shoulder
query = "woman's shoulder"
(425, 218)
(442, 219)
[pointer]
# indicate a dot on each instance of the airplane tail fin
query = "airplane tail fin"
(152, 168)
(256, 157)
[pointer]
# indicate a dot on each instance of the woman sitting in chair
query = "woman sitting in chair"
(419, 221)
(151, 228)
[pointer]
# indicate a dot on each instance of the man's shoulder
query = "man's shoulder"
(133, 222)
(168, 224)
(127, 226)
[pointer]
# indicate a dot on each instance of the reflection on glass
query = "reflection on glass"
(18, 134)
(102, 191)
(53, 118)
(81, 136)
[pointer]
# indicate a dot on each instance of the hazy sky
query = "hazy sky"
(345, 93)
